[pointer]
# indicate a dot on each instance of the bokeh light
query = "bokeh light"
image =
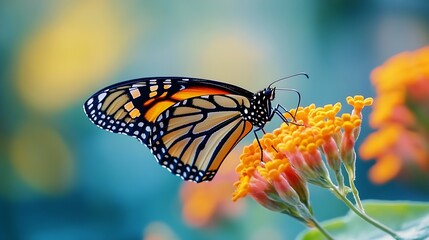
(74, 50)
(42, 159)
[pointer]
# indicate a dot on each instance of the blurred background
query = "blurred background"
(63, 178)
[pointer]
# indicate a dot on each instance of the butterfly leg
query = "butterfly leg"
(299, 99)
(257, 140)
(277, 111)
(259, 143)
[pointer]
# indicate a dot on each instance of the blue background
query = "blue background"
(63, 178)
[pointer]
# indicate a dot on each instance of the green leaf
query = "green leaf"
(409, 219)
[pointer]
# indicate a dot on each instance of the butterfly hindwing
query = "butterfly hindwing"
(192, 137)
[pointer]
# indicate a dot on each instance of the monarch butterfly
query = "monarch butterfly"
(189, 124)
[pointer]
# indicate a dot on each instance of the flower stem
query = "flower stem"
(340, 181)
(365, 217)
(356, 195)
(320, 228)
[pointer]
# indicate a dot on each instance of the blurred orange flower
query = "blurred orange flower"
(401, 115)
(206, 203)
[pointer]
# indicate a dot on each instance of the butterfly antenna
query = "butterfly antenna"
(294, 75)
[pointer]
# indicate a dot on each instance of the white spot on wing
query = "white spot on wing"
(136, 85)
(101, 96)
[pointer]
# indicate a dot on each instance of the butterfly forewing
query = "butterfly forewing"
(120, 108)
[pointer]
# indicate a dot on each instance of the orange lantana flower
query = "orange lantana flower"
(295, 154)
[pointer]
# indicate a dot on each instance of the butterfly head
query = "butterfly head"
(270, 93)
(268, 96)
(260, 110)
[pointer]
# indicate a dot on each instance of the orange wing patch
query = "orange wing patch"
(238, 133)
(196, 92)
(159, 107)
(162, 103)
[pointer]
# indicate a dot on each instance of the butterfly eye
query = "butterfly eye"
(269, 93)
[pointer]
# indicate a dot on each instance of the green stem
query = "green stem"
(365, 217)
(356, 195)
(340, 181)
(316, 224)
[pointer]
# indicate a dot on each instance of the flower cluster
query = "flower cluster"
(293, 155)
(401, 116)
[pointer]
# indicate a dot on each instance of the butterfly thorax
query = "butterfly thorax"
(259, 110)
